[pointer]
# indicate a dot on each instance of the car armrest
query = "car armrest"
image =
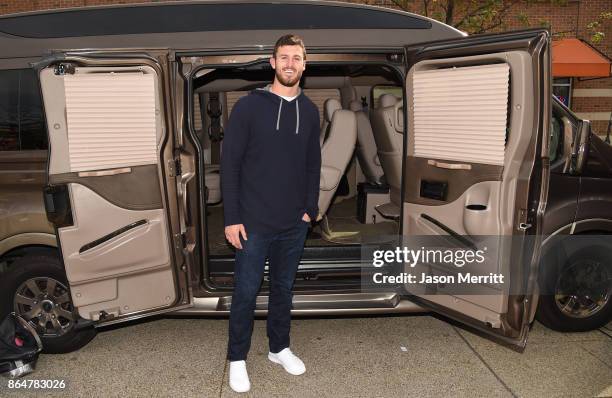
(330, 177)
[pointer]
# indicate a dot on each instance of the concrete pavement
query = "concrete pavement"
(391, 356)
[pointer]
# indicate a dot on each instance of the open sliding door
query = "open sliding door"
(109, 131)
(476, 172)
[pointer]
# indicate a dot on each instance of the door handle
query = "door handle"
(450, 166)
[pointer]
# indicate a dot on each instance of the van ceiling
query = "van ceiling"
(315, 76)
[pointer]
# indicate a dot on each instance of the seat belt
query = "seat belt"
(215, 130)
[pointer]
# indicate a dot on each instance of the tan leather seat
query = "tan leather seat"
(336, 153)
(367, 154)
(330, 106)
(387, 126)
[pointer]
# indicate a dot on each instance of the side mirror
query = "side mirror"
(580, 150)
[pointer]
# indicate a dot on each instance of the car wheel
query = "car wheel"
(35, 287)
(581, 288)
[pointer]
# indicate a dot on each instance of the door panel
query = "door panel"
(417, 191)
(90, 257)
(134, 187)
(108, 139)
(478, 108)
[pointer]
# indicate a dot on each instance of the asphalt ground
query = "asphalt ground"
(373, 356)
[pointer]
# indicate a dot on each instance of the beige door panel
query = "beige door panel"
(470, 132)
(520, 118)
(125, 295)
(135, 250)
(461, 215)
(465, 222)
(107, 131)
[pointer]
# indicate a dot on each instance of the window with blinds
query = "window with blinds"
(111, 120)
(460, 114)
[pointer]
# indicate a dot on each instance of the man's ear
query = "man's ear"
(273, 62)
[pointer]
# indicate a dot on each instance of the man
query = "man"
(270, 169)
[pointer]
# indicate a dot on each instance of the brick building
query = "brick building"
(589, 96)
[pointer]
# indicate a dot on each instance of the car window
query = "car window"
(377, 91)
(21, 116)
(562, 134)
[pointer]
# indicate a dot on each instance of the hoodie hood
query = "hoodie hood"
(266, 92)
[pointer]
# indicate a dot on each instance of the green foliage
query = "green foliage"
(544, 23)
(472, 16)
(596, 28)
(523, 19)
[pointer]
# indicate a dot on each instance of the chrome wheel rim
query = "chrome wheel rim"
(584, 288)
(45, 304)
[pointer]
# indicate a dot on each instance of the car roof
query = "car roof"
(209, 25)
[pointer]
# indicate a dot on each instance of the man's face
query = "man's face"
(288, 65)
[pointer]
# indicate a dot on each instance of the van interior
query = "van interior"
(361, 156)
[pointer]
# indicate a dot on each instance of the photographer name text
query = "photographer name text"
(425, 278)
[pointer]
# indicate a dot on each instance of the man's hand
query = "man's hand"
(305, 217)
(232, 234)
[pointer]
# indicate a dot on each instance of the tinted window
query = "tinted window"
(9, 110)
(205, 17)
(21, 116)
(377, 91)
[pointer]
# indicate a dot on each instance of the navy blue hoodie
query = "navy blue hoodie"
(270, 162)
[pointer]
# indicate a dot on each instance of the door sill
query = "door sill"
(319, 304)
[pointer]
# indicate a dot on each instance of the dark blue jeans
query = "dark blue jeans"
(284, 250)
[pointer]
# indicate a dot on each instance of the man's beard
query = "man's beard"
(288, 81)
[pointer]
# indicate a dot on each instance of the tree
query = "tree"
(471, 16)
(595, 28)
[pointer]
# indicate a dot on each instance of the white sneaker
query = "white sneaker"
(290, 362)
(238, 376)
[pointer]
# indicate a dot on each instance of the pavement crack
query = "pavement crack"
(485, 363)
(605, 333)
(595, 356)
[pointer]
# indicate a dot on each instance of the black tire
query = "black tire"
(42, 266)
(553, 266)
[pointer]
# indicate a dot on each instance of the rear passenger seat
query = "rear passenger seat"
(330, 106)
(389, 143)
(367, 153)
(336, 150)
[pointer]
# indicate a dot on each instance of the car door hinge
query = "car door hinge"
(179, 241)
(523, 219)
(174, 167)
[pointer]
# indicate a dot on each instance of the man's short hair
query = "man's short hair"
(289, 40)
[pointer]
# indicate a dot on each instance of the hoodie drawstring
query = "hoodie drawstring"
(297, 115)
(280, 106)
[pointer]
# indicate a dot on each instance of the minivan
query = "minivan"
(110, 131)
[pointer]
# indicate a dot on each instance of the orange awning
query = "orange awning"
(574, 58)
